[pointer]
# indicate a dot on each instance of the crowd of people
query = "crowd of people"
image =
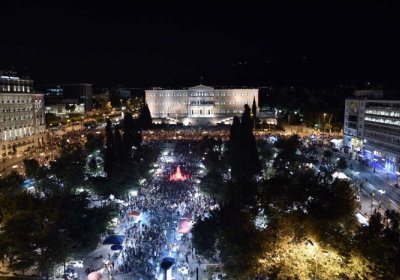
(186, 133)
(150, 219)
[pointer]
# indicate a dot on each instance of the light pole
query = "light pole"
(372, 200)
(323, 132)
(315, 249)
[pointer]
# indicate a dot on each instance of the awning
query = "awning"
(95, 276)
(133, 214)
(184, 225)
(116, 247)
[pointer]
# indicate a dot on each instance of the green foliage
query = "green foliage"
(294, 208)
(94, 142)
(11, 183)
(51, 120)
(31, 168)
(212, 152)
(213, 184)
(69, 167)
(60, 226)
(380, 241)
(204, 237)
(145, 120)
(70, 107)
(123, 164)
(242, 150)
(287, 160)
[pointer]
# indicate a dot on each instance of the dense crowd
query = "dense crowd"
(162, 203)
(187, 133)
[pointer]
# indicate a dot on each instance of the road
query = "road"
(379, 184)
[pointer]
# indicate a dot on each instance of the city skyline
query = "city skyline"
(172, 45)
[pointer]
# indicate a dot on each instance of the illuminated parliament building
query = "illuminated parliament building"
(199, 105)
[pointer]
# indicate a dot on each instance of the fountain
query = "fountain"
(177, 176)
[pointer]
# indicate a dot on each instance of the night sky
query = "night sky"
(172, 45)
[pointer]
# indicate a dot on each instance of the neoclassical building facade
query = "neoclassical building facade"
(198, 105)
(22, 116)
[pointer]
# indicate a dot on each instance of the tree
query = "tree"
(254, 118)
(145, 120)
(31, 168)
(204, 237)
(254, 109)
(132, 134)
(70, 107)
(262, 228)
(109, 135)
(119, 149)
(243, 150)
(69, 168)
(380, 242)
(213, 184)
(60, 226)
(11, 183)
(287, 159)
(94, 142)
(51, 119)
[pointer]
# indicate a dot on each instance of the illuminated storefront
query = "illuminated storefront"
(372, 131)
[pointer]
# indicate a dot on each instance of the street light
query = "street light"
(323, 135)
(372, 200)
(316, 250)
(382, 192)
(289, 124)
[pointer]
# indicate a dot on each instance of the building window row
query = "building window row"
(221, 111)
(382, 137)
(201, 112)
(383, 120)
(234, 94)
(383, 106)
(15, 88)
(14, 100)
(200, 93)
(386, 146)
(170, 112)
(383, 113)
(382, 129)
(201, 102)
(161, 94)
(167, 103)
(350, 124)
(16, 110)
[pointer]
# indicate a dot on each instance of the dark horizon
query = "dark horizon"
(313, 45)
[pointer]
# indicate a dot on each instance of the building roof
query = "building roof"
(201, 87)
